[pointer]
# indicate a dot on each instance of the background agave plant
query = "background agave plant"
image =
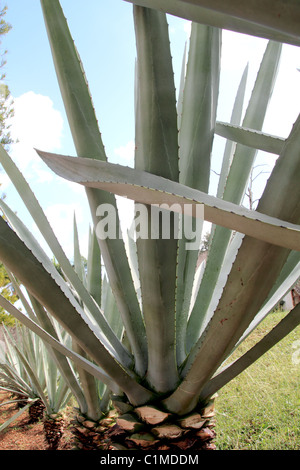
(164, 362)
(31, 375)
(63, 379)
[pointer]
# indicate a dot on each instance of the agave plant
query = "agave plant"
(181, 322)
(14, 378)
(92, 396)
(30, 372)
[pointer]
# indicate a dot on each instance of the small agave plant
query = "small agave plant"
(62, 380)
(30, 374)
(180, 323)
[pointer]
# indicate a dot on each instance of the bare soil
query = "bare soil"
(20, 435)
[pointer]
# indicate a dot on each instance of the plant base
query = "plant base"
(149, 428)
(92, 435)
(36, 411)
(53, 428)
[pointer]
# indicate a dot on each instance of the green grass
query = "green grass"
(260, 409)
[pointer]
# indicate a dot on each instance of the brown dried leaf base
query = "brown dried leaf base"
(36, 412)
(148, 428)
(53, 429)
(92, 435)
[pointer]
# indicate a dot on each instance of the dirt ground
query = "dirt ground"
(20, 435)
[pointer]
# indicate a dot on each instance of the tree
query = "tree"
(8, 292)
(6, 104)
(163, 373)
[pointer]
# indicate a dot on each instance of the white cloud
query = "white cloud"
(4, 182)
(187, 27)
(126, 152)
(42, 175)
(36, 124)
(284, 105)
(75, 187)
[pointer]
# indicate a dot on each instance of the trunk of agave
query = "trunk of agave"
(53, 429)
(36, 411)
(92, 435)
(151, 428)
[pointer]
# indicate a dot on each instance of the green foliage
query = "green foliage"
(6, 112)
(7, 320)
(8, 292)
(4, 26)
(6, 103)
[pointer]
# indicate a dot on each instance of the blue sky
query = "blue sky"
(104, 35)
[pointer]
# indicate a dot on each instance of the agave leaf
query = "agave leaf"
(230, 252)
(199, 107)
(133, 261)
(250, 138)
(11, 378)
(88, 141)
(196, 133)
(14, 374)
(282, 329)
(29, 345)
(273, 300)
(61, 360)
(235, 119)
(235, 187)
(229, 259)
(34, 246)
(289, 267)
(254, 272)
(81, 361)
(89, 386)
(78, 262)
(72, 81)
(254, 119)
(150, 189)
(226, 163)
(32, 376)
(111, 310)
(156, 152)
(13, 385)
(21, 295)
(46, 230)
(88, 381)
(281, 15)
(16, 415)
(137, 393)
(62, 397)
(20, 260)
(271, 20)
(51, 376)
(94, 270)
(284, 283)
(158, 89)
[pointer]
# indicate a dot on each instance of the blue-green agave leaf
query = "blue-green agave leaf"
(157, 152)
(271, 20)
(88, 141)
